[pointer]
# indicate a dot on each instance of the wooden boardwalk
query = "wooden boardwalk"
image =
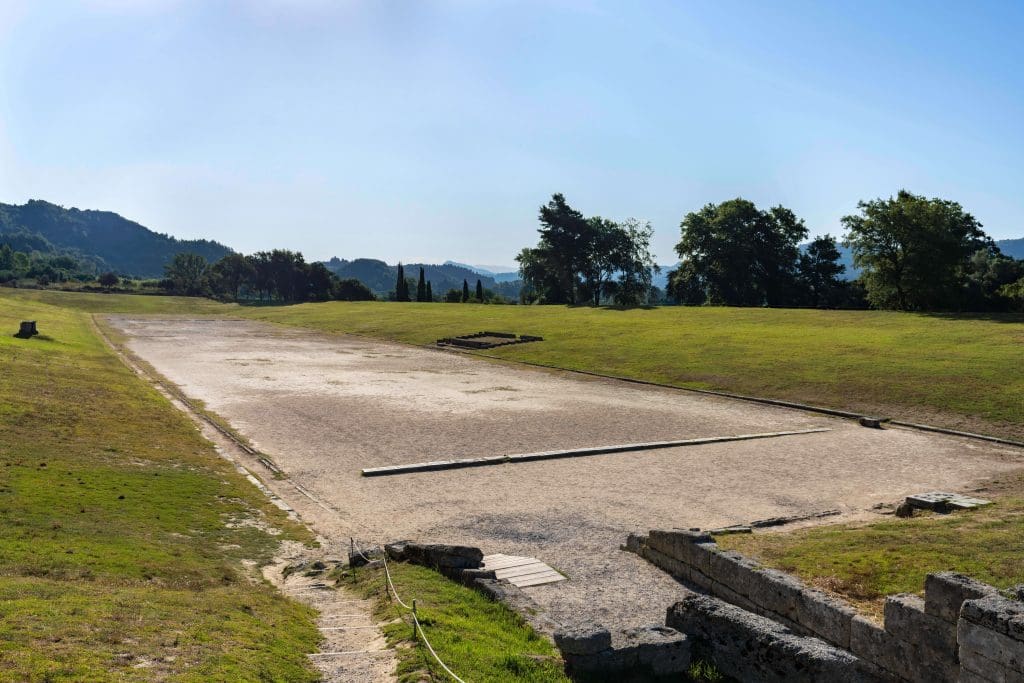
(521, 571)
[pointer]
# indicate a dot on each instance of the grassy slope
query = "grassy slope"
(115, 561)
(481, 640)
(864, 563)
(956, 371)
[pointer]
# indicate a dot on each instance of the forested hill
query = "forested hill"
(117, 243)
(381, 277)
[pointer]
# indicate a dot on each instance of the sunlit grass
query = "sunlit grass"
(960, 371)
(118, 560)
(866, 562)
(479, 639)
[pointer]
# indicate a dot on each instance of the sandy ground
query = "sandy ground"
(325, 406)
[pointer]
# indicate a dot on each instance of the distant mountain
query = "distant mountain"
(1013, 248)
(498, 273)
(380, 277)
(112, 241)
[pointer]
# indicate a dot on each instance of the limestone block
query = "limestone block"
(735, 572)
(659, 649)
(583, 639)
(906, 619)
(945, 592)
(749, 647)
(992, 646)
(996, 613)
(691, 547)
(826, 617)
(906, 661)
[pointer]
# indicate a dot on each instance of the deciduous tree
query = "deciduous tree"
(914, 252)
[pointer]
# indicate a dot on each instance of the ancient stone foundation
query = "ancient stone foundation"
(760, 624)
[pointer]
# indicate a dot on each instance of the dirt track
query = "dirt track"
(325, 406)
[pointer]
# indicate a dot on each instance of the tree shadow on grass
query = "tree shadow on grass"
(1011, 318)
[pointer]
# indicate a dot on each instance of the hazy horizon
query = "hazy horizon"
(433, 131)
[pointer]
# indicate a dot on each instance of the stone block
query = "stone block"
(971, 677)
(991, 645)
(675, 567)
(945, 592)
(635, 543)
(777, 592)
(906, 619)
(996, 613)
(735, 572)
(723, 592)
(692, 547)
(583, 639)
(748, 647)
(900, 658)
(659, 649)
(826, 617)
(973, 666)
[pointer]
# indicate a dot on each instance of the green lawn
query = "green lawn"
(117, 560)
(866, 562)
(480, 640)
(957, 371)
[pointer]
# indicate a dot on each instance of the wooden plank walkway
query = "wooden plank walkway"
(521, 571)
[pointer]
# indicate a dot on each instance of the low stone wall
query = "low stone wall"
(653, 650)
(749, 647)
(960, 630)
(990, 634)
(694, 557)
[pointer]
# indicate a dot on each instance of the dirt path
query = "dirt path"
(325, 406)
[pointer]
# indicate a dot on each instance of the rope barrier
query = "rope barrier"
(417, 629)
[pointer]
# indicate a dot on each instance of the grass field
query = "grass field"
(481, 640)
(962, 372)
(955, 371)
(866, 562)
(117, 556)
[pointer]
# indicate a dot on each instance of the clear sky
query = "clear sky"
(432, 130)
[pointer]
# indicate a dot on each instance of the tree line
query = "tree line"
(44, 268)
(425, 291)
(914, 253)
(278, 275)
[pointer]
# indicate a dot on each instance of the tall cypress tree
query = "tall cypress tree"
(421, 287)
(430, 292)
(479, 291)
(465, 291)
(401, 286)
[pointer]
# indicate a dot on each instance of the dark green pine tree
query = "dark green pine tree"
(421, 287)
(401, 286)
(430, 292)
(465, 291)
(479, 292)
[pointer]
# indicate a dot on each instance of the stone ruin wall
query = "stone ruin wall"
(758, 623)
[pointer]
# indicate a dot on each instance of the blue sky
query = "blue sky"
(433, 130)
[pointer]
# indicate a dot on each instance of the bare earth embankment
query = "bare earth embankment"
(325, 406)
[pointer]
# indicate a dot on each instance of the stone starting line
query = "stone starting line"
(436, 465)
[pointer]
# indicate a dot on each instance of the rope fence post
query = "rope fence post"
(415, 621)
(417, 629)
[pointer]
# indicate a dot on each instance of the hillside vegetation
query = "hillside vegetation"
(103, 238)
(959, 371)
(128, 548)
(381, 277)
